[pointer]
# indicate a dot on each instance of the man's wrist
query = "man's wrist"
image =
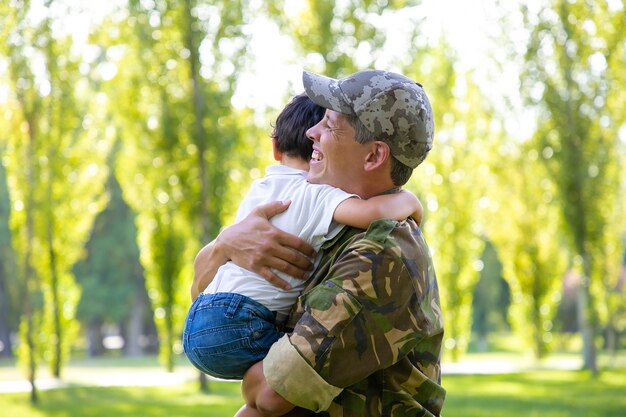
(219, 251)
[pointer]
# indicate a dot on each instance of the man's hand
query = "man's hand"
(256, 245)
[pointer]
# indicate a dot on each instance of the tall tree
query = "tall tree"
(490, 298)
(55, 170)
(573, 76)
(176, 65)
(525, 230)
(111, 277)
(451, 184)
(25, 105)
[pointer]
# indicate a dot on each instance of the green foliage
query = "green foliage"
(183, 143)
(108, 275)
(451, 183)
(30, 353)
(340, 38)
(58, 190)
(574, 77)
(533, 267)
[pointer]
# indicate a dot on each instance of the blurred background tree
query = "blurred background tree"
(524, 229)
(181, 137)
(573, 75)
(451, 183)
(490, 299)
(54, 165)
(112, 280)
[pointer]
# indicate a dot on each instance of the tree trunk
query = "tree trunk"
(29, 273)
(203, 381)
(611, 338)
(95, 347)
(56, 302)
(5, 333)
(200, 141)
(586, 319)
(7, 267)
(133, 326)
(586, 329)
(200, 136)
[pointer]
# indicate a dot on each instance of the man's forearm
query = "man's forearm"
(205, 266)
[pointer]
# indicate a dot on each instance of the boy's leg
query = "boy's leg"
(226, 333)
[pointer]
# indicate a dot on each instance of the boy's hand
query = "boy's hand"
(256, 245)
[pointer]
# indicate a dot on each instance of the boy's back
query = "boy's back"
(309, 217)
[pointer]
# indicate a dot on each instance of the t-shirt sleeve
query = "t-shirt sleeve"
(321, 201)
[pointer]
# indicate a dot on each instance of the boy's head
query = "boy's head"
(291, 125)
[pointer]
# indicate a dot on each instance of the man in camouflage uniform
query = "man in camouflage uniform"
(366, 333)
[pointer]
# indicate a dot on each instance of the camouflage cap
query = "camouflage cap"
(391, 106)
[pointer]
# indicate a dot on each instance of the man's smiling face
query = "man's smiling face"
(337, 158)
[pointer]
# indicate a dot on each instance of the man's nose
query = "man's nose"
(310, 133)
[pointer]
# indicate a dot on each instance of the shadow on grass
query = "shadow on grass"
(223, 400)
(545, 394)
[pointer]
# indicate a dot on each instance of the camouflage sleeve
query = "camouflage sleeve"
(365, 315)
(292, 377)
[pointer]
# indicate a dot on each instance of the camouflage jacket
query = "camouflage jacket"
(367, 330)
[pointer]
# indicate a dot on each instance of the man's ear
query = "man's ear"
(278, 155)
(378, 155)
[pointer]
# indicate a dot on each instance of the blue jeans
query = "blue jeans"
(226, 333)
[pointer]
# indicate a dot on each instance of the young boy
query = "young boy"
(233, 323)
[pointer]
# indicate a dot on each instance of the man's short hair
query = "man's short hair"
(400, 173)
(292, 123)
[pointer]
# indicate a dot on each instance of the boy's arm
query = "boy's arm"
(417, 214)
(205, 266)
(360, 213)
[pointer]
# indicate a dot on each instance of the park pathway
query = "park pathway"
(104, 377)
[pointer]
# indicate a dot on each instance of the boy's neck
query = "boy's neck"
(294, 162)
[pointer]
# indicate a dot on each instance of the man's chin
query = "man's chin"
(312, 178)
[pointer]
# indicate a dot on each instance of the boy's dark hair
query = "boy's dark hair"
(291, 126)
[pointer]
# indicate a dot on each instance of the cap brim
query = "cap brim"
(325, 92)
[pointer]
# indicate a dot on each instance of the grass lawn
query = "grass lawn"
(182, 400)
(537, 393)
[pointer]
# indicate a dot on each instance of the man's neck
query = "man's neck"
(374, 185)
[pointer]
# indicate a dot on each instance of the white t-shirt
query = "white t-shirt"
(310, 217)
